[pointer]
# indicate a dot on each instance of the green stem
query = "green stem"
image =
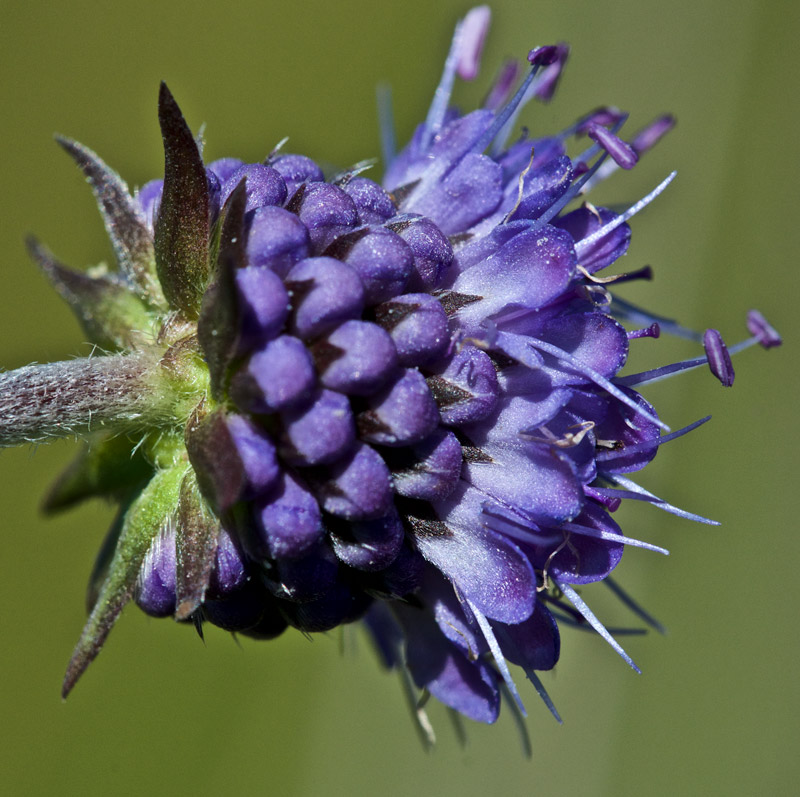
(120, 393)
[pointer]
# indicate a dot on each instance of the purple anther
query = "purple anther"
(762, 330)
(646, 139)
(544, 56)
(473, 32)
(653, 331)
(547, 80)
(501, 89)
(606, 115)
(623, 154)
(719, 361)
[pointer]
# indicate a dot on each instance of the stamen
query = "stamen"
(598, 295)
(581, 606)
(416, 708)
(762, 330)
(569, 440)
(719, 361)
(571, 193)
(497, 654)
(643, 141)
(644, 495)
(441, 97)
(653, 331)
(542, 692)
(603, 456)
(581, 245)
(518, 347)
(716, 350)
(598, 534)
(531, 675)
(591, 151)
(545, 577)
(636, 315)
(277, 148)
(473, 34)
(643, 273)
(628, 601)
(580, 624)
(505, 116)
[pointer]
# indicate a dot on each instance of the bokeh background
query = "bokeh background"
(716, 710)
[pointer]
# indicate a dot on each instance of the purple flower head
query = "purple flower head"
(401, 402)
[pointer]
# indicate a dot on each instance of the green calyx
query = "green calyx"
(164, 326)
(151, 513)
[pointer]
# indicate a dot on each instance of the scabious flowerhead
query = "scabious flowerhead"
(325, 399)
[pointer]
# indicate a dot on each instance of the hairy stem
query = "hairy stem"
(120, 392)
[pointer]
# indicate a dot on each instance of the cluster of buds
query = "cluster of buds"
(324, 400)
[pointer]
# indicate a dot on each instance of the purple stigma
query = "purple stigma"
(762, 330)
(621, 152)
(719, 361)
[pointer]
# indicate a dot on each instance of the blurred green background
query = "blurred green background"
(716, 710)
